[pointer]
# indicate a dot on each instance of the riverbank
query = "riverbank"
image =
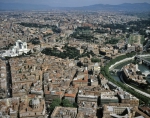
(114, 62)
(119, 64)
(125, 60)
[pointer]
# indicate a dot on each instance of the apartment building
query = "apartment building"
(108, 97)
(3, 80)
(64, 112)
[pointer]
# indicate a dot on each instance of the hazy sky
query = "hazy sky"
(73, 3)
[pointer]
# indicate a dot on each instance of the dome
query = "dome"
(19, 41)
(35, 102)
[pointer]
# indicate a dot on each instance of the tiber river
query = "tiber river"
(141, 67)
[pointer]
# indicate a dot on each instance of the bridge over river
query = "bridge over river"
(144, 61)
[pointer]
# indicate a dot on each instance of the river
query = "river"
(144, 69)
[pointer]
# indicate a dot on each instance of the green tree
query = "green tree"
(70, 52)
(75, 105)
(95, 60)
(35, 41)
(127, 35)
(55, 102)
(66, 103)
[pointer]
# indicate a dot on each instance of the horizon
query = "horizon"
(72, 3)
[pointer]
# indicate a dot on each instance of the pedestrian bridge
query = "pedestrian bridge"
(143, 60)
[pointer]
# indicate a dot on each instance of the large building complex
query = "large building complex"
(19, 49)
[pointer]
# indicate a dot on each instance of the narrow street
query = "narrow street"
(9, 81)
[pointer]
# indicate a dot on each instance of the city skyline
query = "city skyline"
(73, 3)
(74, 62)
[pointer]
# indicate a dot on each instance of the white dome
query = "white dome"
(35, 102)
(19, 41)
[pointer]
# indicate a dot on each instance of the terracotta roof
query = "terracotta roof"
(85, 72)
(58, 93)
(47, 92)
(70, 95)
(81, 80)
(31, 95)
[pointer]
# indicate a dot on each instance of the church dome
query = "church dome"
(35, 102)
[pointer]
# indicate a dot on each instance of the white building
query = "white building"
(19, 48)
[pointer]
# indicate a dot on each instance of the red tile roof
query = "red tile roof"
(70, 95)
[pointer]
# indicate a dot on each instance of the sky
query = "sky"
(73, 3)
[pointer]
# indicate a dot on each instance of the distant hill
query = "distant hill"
(136, 7)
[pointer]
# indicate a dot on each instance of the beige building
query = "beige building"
(116, 110)
(3, 79)
(64, 112)
(96, 68)
(32, 107)
(9, 107)
(130, 75)
(81, 79)
(103, 80)
(108, 97)
(71, 93)
(127, 98)
(87, 108)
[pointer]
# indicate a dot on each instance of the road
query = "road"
(9, 82)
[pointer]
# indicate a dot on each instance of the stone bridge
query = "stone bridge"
(144, 61)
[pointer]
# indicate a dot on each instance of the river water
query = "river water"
(144, 69)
